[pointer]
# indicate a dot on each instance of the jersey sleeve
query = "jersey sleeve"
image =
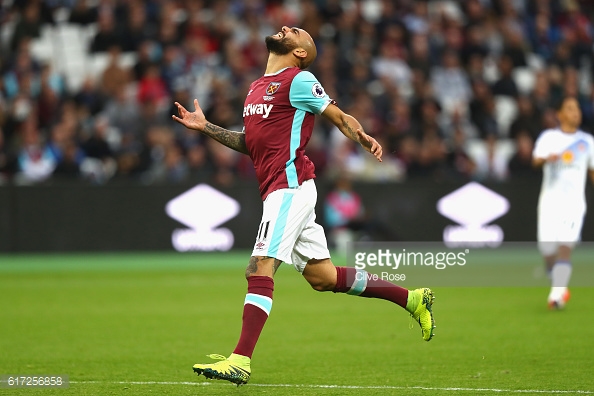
(591, 153)
(308, 94)
(542, 147)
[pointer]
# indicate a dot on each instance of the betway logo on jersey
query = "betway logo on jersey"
(263, 109)
(473, 206)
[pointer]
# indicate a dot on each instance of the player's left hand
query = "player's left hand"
(370, 144)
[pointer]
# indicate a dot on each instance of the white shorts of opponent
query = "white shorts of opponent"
(288, 231)
(557, 227)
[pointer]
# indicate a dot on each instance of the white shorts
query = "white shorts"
(556, 228)
(288, 231)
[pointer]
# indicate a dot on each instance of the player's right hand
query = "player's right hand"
(194, 120)
(553, 158)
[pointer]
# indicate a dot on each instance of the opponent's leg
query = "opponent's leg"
(550, 263)
(322, 275)
(560, 276)
(258, 302)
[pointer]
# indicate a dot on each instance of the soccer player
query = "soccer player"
(278, 120)
(565, 154)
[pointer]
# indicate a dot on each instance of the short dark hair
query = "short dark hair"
(558, 104)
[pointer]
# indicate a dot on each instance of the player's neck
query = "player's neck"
(569, 129)
(277, 63)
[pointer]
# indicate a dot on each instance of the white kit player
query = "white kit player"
(566, 154)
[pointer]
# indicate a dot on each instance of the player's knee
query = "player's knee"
(260, 266)
(322, 285)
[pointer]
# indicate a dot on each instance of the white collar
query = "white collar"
(274, 74)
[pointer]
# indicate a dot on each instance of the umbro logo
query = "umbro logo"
(260, 245)
(473, 207)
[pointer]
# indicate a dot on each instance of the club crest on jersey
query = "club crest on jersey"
(318, 91)
(567, 157)
(272, 88)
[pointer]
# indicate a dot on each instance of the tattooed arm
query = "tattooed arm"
(196, 120)
(232, 139)
(352, 129)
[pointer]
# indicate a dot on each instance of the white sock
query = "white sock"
(560, 279)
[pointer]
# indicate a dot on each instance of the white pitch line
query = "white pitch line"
(495, 390)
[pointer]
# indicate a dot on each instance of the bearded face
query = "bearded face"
(281, 46)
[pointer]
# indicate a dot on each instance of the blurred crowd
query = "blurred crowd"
(453, 90)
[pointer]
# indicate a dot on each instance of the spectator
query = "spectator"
(577, 30)
(505, 85)
(450, 83)
(520, 165)
(428, 160)
(392, 66)
(197, 162)
(22, 71)
(152, 88)
(514, 48)
(90, 97)
(107, 35)
(527, 120)
(427, 112)
(398, 123)
(122, 113)
(114, 75)
(138, 28)
(482, 109)
(68, 166)
(97, 145)
(541, 97)
(36, 162)
(7, 164)
(544, 36)
(174, 168)
(172, 67)
(460, 165)
(48, 101)
(417, 21)
(475, 44)
(83, 13)
(29, 25)
(342, 208)
(420, 55)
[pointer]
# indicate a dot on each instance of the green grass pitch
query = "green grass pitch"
(134, 324)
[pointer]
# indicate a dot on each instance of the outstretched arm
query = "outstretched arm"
(196, 120)
(352, 129)
(538, 162)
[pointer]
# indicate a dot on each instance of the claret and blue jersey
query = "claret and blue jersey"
(278, 117)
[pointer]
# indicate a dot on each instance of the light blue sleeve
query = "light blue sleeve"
(307, 94)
